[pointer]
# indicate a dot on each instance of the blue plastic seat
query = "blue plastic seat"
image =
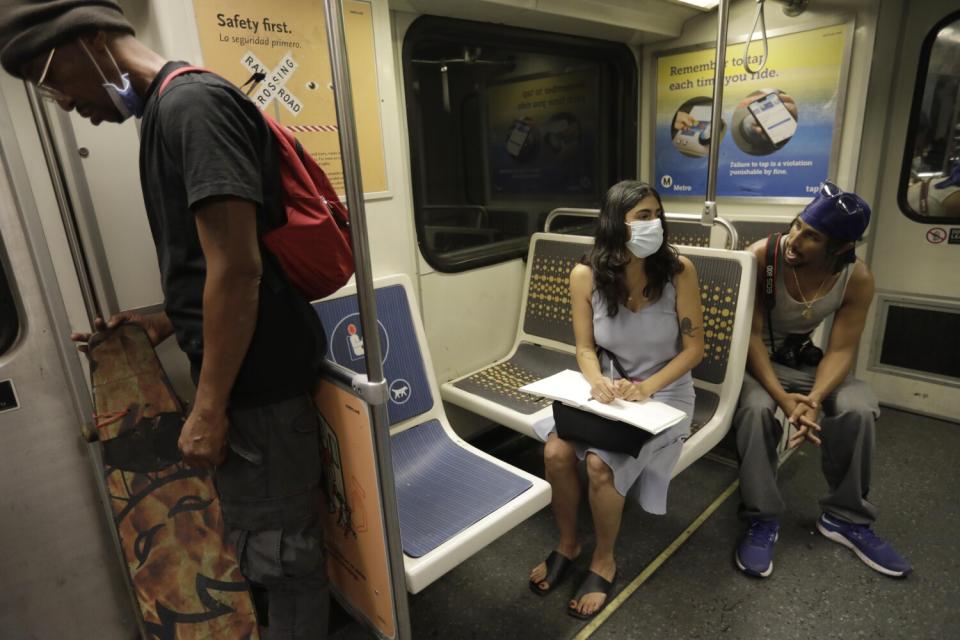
(453, 499)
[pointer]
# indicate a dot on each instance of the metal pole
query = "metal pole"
(80, 263)
(716, 126)
(336, 40)
(78, 389)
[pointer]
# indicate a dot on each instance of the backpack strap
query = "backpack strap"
(770, 279)
(311, 174)
(177, 73)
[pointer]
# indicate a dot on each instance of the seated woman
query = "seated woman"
(637, 299)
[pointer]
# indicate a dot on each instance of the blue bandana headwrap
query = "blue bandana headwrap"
(839, 214)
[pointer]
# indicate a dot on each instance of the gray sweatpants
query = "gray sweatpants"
(269, 490)
(848, 433)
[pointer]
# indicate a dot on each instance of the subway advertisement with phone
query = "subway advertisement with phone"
(778, 125)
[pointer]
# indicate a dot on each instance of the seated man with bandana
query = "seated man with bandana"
(804, 276)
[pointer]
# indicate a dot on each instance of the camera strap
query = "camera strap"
(770, 281)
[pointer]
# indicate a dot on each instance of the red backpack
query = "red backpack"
(313, 246)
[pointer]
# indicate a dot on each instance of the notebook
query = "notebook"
(571, 388)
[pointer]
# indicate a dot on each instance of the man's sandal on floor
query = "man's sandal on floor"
(593, 583)
(558, 566)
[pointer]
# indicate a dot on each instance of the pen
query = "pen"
(612, 380)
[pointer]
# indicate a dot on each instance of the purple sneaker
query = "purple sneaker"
(875, 552)
(754, 554)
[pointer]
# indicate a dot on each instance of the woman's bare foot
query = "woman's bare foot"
(590, 603)
(539, 572)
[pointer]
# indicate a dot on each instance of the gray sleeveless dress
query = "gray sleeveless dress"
(644, 342)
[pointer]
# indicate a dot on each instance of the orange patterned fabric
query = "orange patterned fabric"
(186, 579)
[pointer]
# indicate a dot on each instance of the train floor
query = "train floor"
(818, 589)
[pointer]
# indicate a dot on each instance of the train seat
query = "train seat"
(749, 231)
(545, 345)
(452, 498)
(689, 234)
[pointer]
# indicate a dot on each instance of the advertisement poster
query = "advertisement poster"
(353, 526)
(777, 128)
(541, 140)
(287, 41)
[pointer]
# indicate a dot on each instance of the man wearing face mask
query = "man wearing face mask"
(806, 275)
(210, 179)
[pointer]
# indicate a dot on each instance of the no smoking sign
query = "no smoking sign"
(936, 235)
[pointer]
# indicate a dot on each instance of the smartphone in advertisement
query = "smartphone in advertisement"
(517, 137)
(774, 118)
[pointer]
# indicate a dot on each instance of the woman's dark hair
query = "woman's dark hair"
(610, 255)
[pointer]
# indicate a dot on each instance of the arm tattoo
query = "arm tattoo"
(687, 328)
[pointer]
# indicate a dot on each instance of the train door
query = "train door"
(910, 357)
(58, 578)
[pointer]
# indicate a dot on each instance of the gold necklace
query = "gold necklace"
(808, 306)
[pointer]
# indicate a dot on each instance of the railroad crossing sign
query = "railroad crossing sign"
(273, 86)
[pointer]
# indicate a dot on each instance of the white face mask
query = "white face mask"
(646, 236)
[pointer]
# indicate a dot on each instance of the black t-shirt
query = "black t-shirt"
(204, 139)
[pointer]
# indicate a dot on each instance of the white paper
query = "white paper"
(571, 388)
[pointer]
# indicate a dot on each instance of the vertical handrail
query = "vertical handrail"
(81, 264)
(710, 204)
(94, 308)
(336, 41)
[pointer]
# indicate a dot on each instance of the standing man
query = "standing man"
(209, 172)
(814, 274)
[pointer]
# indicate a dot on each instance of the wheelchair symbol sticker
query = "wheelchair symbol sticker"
(400, 391)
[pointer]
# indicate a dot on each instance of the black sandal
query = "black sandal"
(593, 583)
(558, 566)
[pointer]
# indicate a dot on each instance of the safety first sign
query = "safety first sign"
(273, 85)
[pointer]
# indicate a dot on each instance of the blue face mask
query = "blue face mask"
(125, 99)
(646, 237)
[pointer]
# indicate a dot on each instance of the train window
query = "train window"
(930, 180)
(9, 320)
(506, 125)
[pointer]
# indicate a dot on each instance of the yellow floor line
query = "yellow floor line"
(651, 568)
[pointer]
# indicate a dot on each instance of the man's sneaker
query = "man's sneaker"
(875, 552)
(754, 554)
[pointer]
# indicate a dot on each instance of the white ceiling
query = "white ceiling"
(630, 21)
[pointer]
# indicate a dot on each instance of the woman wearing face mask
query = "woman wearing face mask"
(637, 299)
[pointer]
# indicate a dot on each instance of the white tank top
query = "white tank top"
(787, 315)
